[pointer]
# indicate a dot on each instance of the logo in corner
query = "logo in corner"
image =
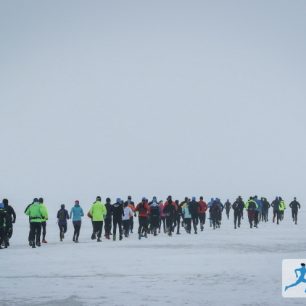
(294, 278)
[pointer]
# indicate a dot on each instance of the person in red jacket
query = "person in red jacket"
(143, 213)
(202, 212)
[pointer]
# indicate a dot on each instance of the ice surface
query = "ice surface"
(215, 267)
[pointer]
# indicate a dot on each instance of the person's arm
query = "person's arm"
(104, 211)
(82, 212)
(14, 215)
(299, 205)
(67, 215)
(295, 271)
(71, 212)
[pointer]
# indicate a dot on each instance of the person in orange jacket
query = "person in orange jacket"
(143, 213)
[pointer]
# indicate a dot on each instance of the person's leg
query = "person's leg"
(38, 233)
(178, 221)
(294, 284)
(235, 219)
(164, 224)
(32, 234)
(99, 230)
(194, 221)
(131, 224)
(140, 227)
(44, 230)
(120, 228)
(115, 222)
(239, 218)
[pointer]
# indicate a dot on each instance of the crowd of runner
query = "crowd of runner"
(154, 217)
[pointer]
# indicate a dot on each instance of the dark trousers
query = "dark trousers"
(107, 226)
(97, 228)
(44, 229)
(177, 222)
(294, 215)
(35, 230)
(277, 215)
(77, 227)
(169, 224)
(187, 222)
(126, 227)
(154, 223)
(237, 218)
(131, 224)
(3, 237)
(194, 222)
(162, 221)
(143, 224)
(227, 213)
(117, 222)
(202, 218)
(252, 217)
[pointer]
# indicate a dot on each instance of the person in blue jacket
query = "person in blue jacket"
(76, 215)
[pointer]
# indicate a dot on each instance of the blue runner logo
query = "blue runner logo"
(294, 278)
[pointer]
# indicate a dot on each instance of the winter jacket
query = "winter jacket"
(127, 213)
(108, 207)
(251, 205)
(10, 215)
(194, 208)
(143, 209)
(202, 207)
(154, 210)
(186, 212)
(98, 211)
(35, 213)
(295, 205)
(45, 210)
(62, 216)
(2, 216)
(76, 213)
(117, 211)
(238, 206)
(169, 209)
(282, 206)
(227, 205)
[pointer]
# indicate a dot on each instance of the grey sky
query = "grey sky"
(152, 97)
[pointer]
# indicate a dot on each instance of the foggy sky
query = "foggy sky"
(151, 98)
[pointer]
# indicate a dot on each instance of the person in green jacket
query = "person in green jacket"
(282, 207)
(44, 221)
(36, 215)
(251, 207)
(97, 214)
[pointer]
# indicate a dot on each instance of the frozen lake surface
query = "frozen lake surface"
(215, 267)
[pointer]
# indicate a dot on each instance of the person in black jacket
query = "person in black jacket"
(10, 219)
(62, 217)
(108, 219)
(194, 211)
(295, 206)
(227, 208)
(238, 206)
(3, 217)
(265, 209)
(117, 212)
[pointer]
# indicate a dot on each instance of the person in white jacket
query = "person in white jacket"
(127, 214)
